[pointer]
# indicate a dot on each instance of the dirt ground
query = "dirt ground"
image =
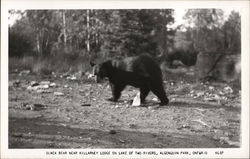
(67, 112)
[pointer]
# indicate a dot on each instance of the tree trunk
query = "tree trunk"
(38, 43)
(64, 29)
(97, 30)
(88, 33)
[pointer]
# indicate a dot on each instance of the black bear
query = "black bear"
(138, 71)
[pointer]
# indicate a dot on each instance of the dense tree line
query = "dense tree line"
(108, 33)
(123, 32)
(210, 31)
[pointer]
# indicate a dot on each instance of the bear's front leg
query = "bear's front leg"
(116, 91)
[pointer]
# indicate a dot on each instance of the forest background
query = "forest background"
(46, 41)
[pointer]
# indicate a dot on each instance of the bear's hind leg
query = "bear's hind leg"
(159, 91)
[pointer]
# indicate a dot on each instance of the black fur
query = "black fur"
(139, 71)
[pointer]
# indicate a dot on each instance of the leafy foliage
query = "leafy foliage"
(20, 39)
(209, 31)
(232, 32)
(109, 32)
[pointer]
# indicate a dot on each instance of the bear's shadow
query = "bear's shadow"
(175, 104)
(129, 102)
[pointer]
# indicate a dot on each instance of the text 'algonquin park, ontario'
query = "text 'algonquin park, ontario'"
(125, 78)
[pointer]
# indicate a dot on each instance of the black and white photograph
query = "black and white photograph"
(133, 78)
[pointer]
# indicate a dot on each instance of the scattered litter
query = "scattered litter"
(71, 78)
(53, 74)
(58, 93)
(155, 99)
(201, 122)
(196, 130)
(51, 144)
(221, 93)
(117, 106)
(132, 126)
(82, 91)
(34, 83)
(233, 143)
(209, 99)
(137, 100)
(38, 106)
(228, 90)
(24, 72)
(33, 107)
(85, 105)
(35, 86)
(44, 82)
(153, 107)
(199, 94)
(122, 141)
(44, 86)
(64, 125)
(172, 99)
(184, 127)
(89, 76)
(16, 83)
(52, 84)
(211, 88)
(43, 91)
(112, 132)
(126, 101)
(199, 109)
(217, 97)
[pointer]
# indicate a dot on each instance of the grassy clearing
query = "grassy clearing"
(79, 63)
(47, 65)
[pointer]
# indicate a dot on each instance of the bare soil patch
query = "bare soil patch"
(74, 113)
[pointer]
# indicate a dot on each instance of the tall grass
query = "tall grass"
(21, 63)
(54, 63)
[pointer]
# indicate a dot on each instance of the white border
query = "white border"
(242, 6)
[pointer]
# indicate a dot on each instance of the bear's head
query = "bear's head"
(102, 70)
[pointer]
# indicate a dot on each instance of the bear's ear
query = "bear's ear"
(92, 63)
